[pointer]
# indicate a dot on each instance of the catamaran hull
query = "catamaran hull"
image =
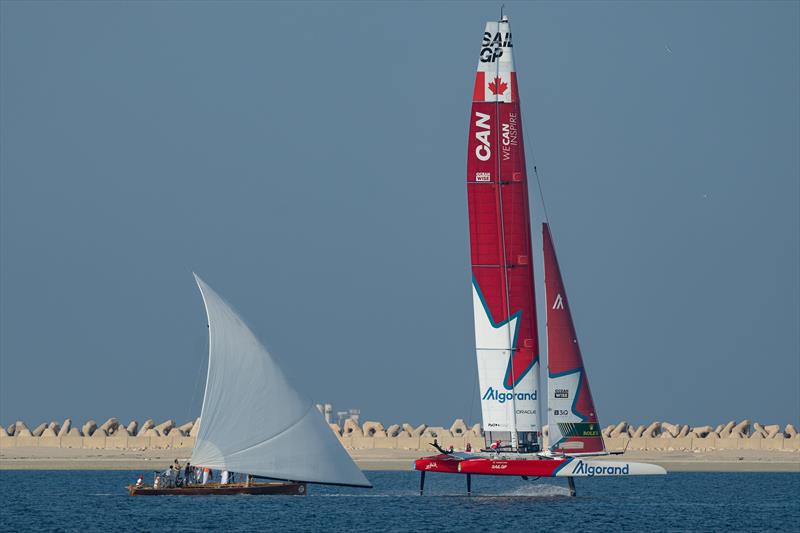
(567, 467)
(291, 489)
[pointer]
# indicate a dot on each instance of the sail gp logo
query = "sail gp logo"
(559, 303)
(492, 46)
(584, 469)
(503, 397)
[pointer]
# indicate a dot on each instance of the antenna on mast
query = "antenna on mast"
(503, 18)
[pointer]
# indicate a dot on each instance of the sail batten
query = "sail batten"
(253, 420)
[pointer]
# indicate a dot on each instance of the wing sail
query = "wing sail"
(502, 268)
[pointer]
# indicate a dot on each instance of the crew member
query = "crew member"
(187, 474)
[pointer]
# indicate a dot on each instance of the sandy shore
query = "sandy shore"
(375, 459)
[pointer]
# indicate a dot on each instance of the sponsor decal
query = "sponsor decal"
(560, 412)
(502, 397)
(430, 466)
(585, 469)
(483, 176)
(483, 149)
(578, 429)
(559, 303)
(492, 46)
(561, 393)
(499, 466)
(510, 134)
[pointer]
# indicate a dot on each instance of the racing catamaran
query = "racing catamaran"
(504, 305)
(254, 421)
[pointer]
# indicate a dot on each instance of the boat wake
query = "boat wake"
(537, 491)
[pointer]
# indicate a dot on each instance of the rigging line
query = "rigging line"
(528, 143)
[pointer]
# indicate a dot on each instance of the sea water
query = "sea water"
(98, 501)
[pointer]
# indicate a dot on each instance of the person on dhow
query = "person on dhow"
(207, 475)
(188, 472)
(223, 479)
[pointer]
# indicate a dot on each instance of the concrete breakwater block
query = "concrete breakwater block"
(89, 428)
(109, 426)
(65, 427)
(741, 429)
(726, 429)
(336, 429)
(21, 430)
(620, 430)
(652, 430)
(373, 429)
(148, 424)
(351, 429)
(701, 431)
(195, 428)
(419, 430)
(165, 427)
(186, 428)
(458, 428)
(394, 430)
(773, 430)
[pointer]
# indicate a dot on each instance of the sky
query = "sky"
(308, 161)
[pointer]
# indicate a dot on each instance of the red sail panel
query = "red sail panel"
(500, 226)
(572, 417)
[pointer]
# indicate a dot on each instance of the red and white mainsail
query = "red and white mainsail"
(572, 418)
(502, 268)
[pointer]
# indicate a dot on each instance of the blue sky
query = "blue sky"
(308, 161)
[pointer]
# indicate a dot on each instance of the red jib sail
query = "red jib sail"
(502, 268)
(572, 418)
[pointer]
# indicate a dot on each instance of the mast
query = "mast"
(502, 268)
(572, 417)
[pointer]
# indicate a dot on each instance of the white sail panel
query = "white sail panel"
(498, 403)
(253, 421)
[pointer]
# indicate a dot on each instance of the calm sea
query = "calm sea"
(98, 501)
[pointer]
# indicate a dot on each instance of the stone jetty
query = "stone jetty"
(112, 434)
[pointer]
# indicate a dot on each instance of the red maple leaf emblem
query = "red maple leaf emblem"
(497, 86)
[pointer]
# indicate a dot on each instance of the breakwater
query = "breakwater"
(733, 435)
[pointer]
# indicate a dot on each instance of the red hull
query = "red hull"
(493, 467)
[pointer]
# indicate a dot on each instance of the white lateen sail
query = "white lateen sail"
(253, 421)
